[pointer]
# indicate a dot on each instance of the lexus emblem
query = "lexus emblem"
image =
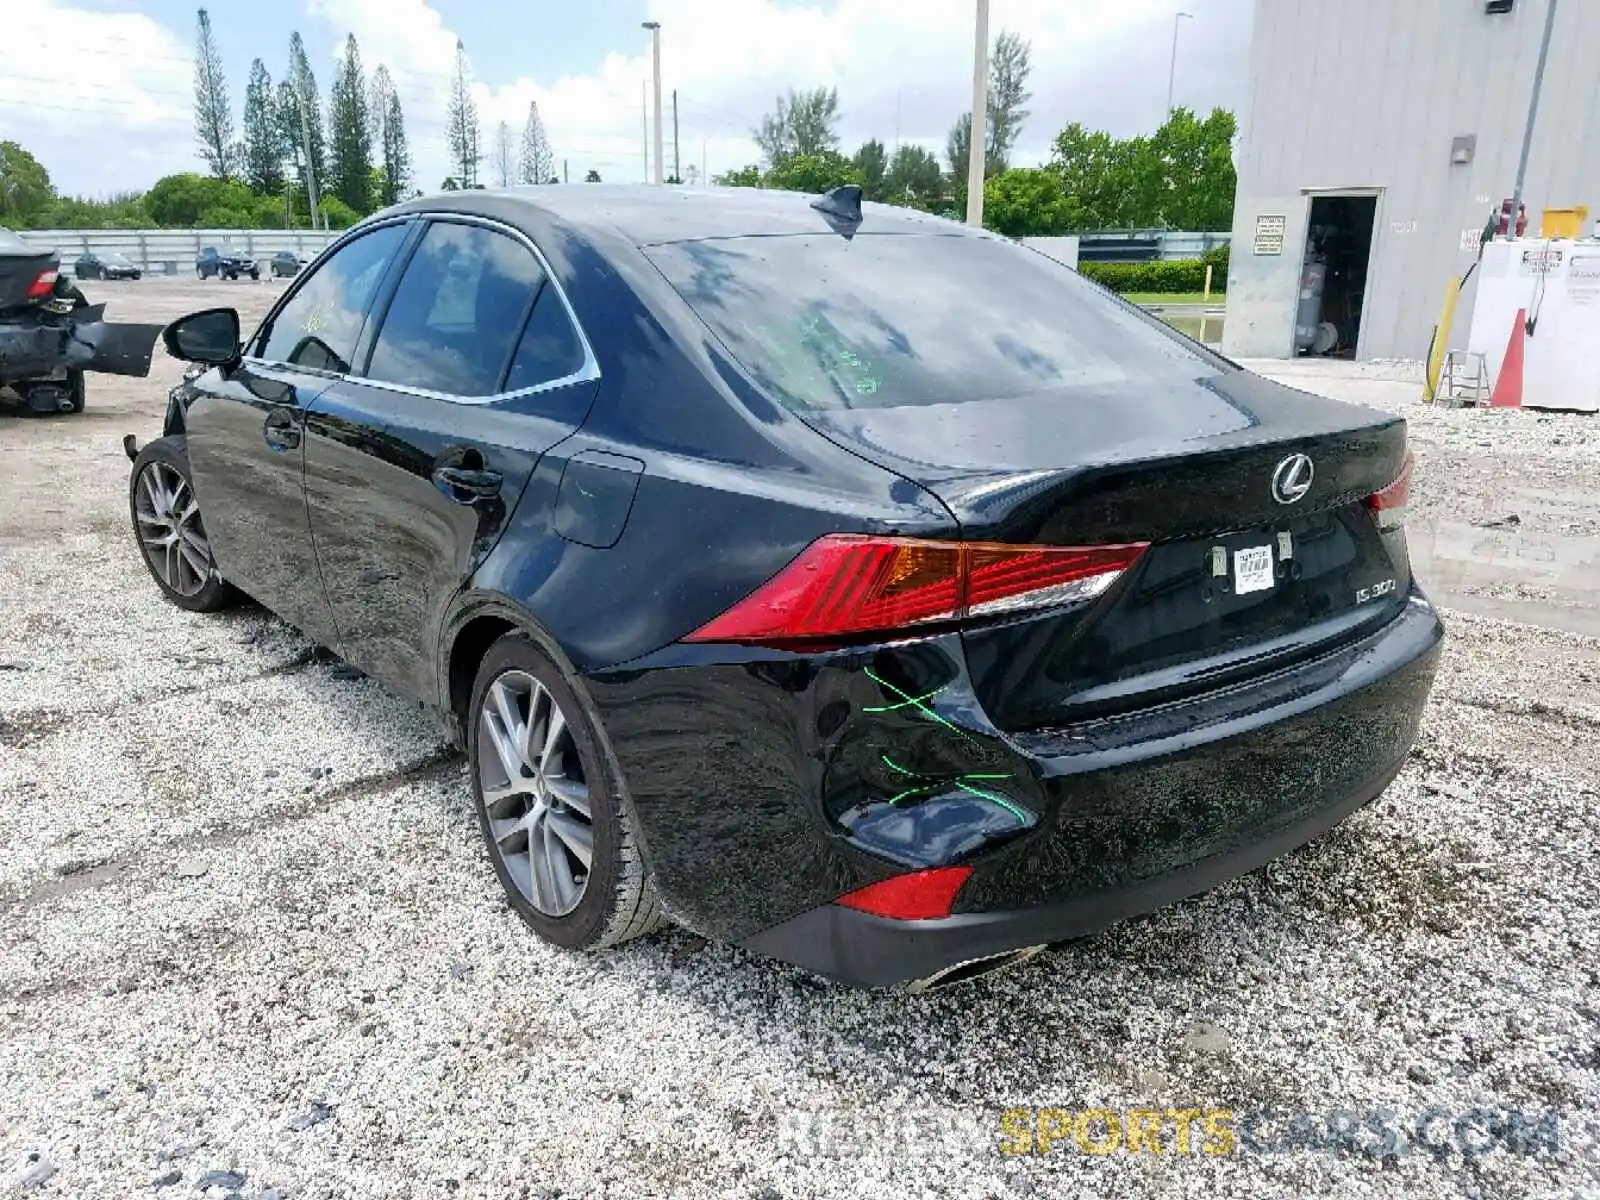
(1292, 480)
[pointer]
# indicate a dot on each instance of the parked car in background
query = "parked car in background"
(285, 263)
(853, 585)
(110, 265)
(228, 263)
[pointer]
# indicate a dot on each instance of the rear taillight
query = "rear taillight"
(919, 896)
(848, 585)
(1389, 506)
(43, 284)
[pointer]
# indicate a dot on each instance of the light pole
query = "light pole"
(1172, 72)
(1533, 116)
(978, 139)
(655, 43)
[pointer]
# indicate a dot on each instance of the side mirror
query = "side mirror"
(210, 337)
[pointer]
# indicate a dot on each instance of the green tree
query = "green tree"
(1009, 68)
(340, 215)
(213, 116)
(190, 200)
(25, 188)
(350, 133)
(303, 87)
(742, 177)
(914, 178)
(872, 164)
(802, 123)
(393, 172)
(1100, 176)
(1197, 176)
(536, 163)
(1025, 202)
(262, 164)
(811, 173)
(466, 150)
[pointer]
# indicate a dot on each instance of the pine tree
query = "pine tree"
(394, 153)
(504, 169)
(538, 160)
(304, 86)
(213, 116)
(465, 146)
(263, 143)
(350, 132)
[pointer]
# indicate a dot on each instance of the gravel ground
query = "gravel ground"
(246, 927)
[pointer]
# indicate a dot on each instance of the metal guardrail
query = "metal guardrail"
(1147, 245)
(173, 251)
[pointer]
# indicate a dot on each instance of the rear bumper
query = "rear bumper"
(868, 951)
(765, 786)
(1133, 837)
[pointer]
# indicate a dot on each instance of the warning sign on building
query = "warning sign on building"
(1269, 234)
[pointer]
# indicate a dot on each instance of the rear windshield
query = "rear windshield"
(889, 320)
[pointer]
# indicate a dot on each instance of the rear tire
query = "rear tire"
(531, 790)
(76, 390)
(167, 527)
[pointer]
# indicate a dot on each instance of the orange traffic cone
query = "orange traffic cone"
(1508, 387)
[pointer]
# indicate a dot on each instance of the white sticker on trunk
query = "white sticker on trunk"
(1252, 570)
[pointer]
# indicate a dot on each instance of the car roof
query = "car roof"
(652, 214)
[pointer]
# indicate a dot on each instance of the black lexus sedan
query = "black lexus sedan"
(845, 583)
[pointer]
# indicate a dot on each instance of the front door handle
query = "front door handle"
(279, 431)
(465, 485)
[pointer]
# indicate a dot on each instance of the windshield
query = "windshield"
(890, 320)
(116, 260)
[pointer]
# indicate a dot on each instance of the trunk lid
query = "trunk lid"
(1236, 582)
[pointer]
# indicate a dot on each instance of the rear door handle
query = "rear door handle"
(467, 486)
(279, 430)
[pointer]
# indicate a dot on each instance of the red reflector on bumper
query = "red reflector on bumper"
(919, 896)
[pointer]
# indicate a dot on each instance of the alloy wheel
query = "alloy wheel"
(170, 533)
(534, 793)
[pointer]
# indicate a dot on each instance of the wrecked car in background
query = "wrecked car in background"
(51, 336)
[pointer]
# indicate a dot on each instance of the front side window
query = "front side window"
(458, 312)
(318, 327)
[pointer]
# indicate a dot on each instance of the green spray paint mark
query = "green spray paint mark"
(919, 703)
(930, 782)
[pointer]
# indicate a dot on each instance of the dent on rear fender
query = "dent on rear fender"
(766, 788)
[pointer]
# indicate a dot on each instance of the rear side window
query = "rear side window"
(549, 349)
(319, 325)
(458, 312)
(887, 320)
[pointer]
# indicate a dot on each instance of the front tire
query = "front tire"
(550, 808)
(166, 524)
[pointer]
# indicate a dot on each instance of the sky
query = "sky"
(102, 91)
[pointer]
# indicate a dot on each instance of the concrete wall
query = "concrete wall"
(1368, 94)
(1063, 249)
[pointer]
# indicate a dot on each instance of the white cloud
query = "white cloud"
(104, 100)
(905, 62)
